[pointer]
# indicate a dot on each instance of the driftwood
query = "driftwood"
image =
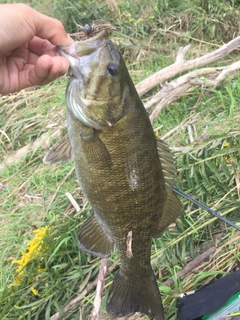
(205, 77)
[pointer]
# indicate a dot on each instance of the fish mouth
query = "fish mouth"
(102, 34)
(84, 47)
(80, 53)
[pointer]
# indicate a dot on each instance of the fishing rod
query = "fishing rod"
(203, 206)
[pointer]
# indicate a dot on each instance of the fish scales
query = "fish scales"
(124, 207)
(119, 165)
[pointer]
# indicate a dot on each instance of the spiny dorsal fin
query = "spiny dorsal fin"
(172, 206)
(60, 152)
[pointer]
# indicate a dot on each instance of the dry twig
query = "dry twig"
(73, 201)
(99, 290)
(191, 265)
(209, 77)
(182, 65)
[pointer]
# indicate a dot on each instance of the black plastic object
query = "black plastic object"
(209, 298)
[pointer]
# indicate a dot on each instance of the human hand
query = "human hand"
(28, 53)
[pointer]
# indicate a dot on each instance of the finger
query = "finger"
(47, 69)
(41, 46)
(19, 23)
(51, 29)
(57, 68)
(30, 53)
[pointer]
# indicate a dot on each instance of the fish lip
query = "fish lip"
(100, 35)
(81, 52)
(92, 44)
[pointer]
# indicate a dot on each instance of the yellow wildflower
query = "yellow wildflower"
(34, 248)
(138, 21)
(34, 291)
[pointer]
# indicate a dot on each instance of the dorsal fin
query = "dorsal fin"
(172, 206)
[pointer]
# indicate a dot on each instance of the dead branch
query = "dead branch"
(181, 81)
(204, 77)
(186, 83)
(99, 289)
(191, 265)
(171, 97)
(182, 65)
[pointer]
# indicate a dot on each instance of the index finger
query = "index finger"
(42, 46)
(51, 29)
(19, 23)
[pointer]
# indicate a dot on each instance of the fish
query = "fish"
(125, 172)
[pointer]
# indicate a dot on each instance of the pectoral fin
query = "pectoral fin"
(172, 207)
(95, 151)
(94, 240)
(60, 152)
(93, 147)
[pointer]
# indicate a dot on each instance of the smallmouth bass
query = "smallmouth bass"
(124, 172)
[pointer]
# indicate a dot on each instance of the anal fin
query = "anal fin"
(94, 240)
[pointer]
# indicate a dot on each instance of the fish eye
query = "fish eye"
(112, 69)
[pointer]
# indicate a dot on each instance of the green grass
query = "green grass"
(32, 195)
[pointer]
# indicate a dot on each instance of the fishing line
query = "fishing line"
(203, 206)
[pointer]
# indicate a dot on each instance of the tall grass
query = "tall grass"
(204, 135)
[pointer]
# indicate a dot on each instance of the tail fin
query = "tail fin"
(128, 296)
